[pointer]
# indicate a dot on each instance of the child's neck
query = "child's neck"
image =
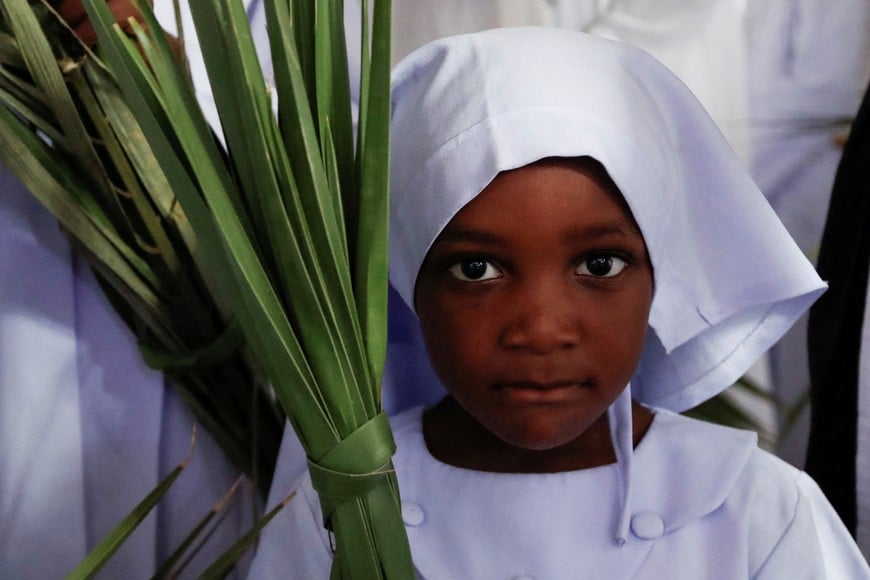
(454, 437)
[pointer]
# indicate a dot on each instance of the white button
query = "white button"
(647, 525)
(412, 513)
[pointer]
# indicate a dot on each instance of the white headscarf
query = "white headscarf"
(729, 281)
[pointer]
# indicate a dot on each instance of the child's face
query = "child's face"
(534, 302)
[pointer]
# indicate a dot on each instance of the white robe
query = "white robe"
(86, 429)
(707, 503)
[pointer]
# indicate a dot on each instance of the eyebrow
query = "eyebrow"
(455, 236)
(620, 228)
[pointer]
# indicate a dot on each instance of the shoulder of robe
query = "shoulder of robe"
(691, 468)
(407, 422)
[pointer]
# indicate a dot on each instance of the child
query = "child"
(573, 232)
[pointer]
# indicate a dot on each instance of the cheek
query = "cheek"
(614, 326)
(625, 329)
(457, 340)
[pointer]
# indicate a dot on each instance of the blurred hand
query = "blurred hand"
(74, 13)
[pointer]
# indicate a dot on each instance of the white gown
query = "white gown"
(707, 503)
(86, 429)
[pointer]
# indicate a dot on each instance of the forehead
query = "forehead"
(570, 193)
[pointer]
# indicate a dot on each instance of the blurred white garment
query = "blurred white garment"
(808, 68)
(86, 430)
(41, 462)
(416, 22)
(701, 41)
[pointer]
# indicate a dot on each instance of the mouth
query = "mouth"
(543, 392)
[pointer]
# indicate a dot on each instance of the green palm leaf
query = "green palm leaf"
(279, 239)
(71, 138)
(300, 223)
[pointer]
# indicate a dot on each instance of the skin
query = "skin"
(123, 11)
(73, 11)
(534, 303)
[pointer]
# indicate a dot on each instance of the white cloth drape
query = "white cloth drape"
(41, 460)
(86, 430)
(808, 67)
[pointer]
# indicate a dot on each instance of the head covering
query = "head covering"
(729, 281)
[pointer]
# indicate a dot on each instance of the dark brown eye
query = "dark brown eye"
(474, 270)
(601, 266)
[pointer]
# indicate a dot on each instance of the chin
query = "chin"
(543, 438)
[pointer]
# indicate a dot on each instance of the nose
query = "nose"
(543, 318)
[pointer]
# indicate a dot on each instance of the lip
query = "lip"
(542, 392)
